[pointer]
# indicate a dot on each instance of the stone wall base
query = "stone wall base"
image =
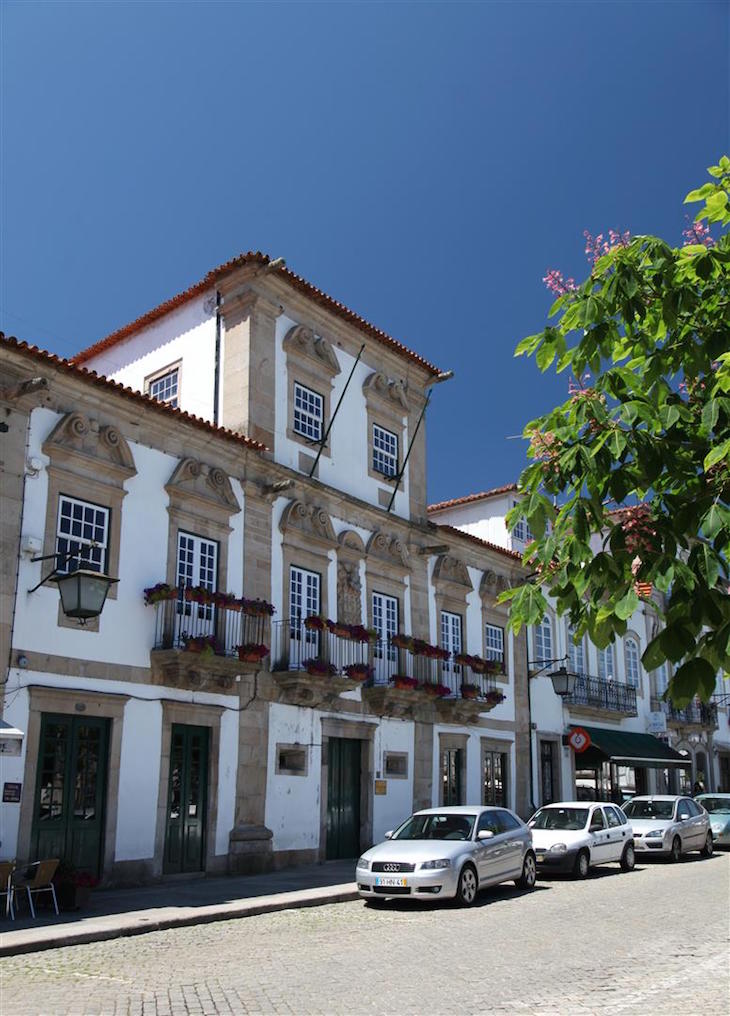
(249, 851)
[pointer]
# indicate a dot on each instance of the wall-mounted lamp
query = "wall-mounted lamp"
(83, 591)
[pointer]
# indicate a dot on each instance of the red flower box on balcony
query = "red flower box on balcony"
(403, 682)
(252, 653)
(359, 671)
(319, 668)
(436, 690)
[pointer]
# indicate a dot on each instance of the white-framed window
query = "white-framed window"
(451, 638)
(633, 662)
(165, 387)
(308, 412)
(82, 530)
(606, 664)
(544, 641)
(494, 643)
(385, 451)
(662, 679)
(385, 623)
(522, 531)
(197, 565)
(576, 654)
(305, 598)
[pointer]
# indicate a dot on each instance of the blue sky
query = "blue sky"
(423, 163)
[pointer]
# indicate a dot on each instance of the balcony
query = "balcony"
(314, 661)
(593, 694)
(696, 714)
(196, 644)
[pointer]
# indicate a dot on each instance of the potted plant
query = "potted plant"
(470, 691)
(359, 671)
(436, 690)
(206, 645)
(403, 682)
(358, 633)
(320, 668)
(73, 887)
(494, 697)
(340, 629)
(250, 652)
(315, 623)
(227, 601)
(257, 608)
(159, 592)
(401, 641)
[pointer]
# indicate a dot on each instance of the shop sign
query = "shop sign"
(657, 723)
(11, 793)
(579, 739)
(381, 787)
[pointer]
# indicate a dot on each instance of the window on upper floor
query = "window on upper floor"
(451, 638)
(543, 634)
(82, 531)
(308, 412)
(385, 451)
(165, 386)
(633, 662)
(494, 643)
(522, 531)
(576, 654)
(606, 665)
(197, 565)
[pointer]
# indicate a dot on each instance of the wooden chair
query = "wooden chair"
(36, 878)
(6, 870)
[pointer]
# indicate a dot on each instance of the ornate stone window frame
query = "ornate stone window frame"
(447, 742)
(452, 585)
(491, 585)
(307, 538)
(497, 746)
(202, 503)
(386, 565)
(388, 407)
(90, 461)
(311, 361)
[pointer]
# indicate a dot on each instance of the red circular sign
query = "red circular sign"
(579, 740)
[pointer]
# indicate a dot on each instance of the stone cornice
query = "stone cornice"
(84, 445)
(210, 485)
(301, 341)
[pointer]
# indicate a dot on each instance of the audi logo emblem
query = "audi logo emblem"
(391, 867)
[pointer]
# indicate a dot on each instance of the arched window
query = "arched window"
(544, 640)
(606, 666)
(576, 654)
(633, 662)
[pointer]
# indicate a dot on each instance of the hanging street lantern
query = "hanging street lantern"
(83, 593)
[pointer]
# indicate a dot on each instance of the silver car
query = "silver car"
(669, 826)
(717, 807)
(448, 852)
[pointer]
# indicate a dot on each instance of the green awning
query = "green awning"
(626, 748)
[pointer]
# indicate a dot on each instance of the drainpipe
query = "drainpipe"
(217, 381)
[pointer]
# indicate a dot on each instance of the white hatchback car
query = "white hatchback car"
(574, 835)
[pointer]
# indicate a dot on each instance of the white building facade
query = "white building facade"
(316, 658)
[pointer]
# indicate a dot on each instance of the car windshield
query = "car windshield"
(560, 818)
(436, 827)
(715, 805)
(649, 809)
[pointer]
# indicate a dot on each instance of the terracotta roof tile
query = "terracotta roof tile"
(90, 376)
(470, 498)
(513, 554)
(296, 281)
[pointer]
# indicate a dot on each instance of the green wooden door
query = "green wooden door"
(343, 798)
(186, 799)
(70, 797)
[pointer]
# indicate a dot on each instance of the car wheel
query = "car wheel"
(628, 858)
(676, 852)
(466, 892)
(708, 847)
(529, 873)
(582, 864)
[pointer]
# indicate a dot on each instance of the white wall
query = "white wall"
(346, 465)
(12, 767)
(187, 334)
(139, 780)
(393, 807)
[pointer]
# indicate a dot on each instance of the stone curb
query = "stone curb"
(138, 923)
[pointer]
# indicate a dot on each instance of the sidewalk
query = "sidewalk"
(114, 913)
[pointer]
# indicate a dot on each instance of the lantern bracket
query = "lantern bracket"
(59, 565)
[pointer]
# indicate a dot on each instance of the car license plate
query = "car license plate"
(390, 882)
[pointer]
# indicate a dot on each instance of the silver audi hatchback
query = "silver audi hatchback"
(448, 853)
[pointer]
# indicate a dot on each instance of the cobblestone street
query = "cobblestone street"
(653, 941)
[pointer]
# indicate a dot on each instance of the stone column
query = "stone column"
(248, 365)
(12, 468)
(523, 804)
(422, 765)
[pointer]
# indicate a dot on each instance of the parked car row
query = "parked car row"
(453, 852)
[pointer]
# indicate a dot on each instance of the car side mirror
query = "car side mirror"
(684, 816)
(386, 836)
(485, 834)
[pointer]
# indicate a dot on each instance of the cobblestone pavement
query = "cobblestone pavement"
(654, 941)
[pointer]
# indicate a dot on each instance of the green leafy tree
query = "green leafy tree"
(630, 483)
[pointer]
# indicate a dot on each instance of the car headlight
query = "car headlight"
(443, 862)
(558, 848)
(655, 832)
(362, 862)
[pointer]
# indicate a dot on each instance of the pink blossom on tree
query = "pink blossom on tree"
(557, 284)
(697, 232)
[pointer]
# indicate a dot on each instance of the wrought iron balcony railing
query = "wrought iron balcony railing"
(599, 694)
(179, 622)
(696, 713)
